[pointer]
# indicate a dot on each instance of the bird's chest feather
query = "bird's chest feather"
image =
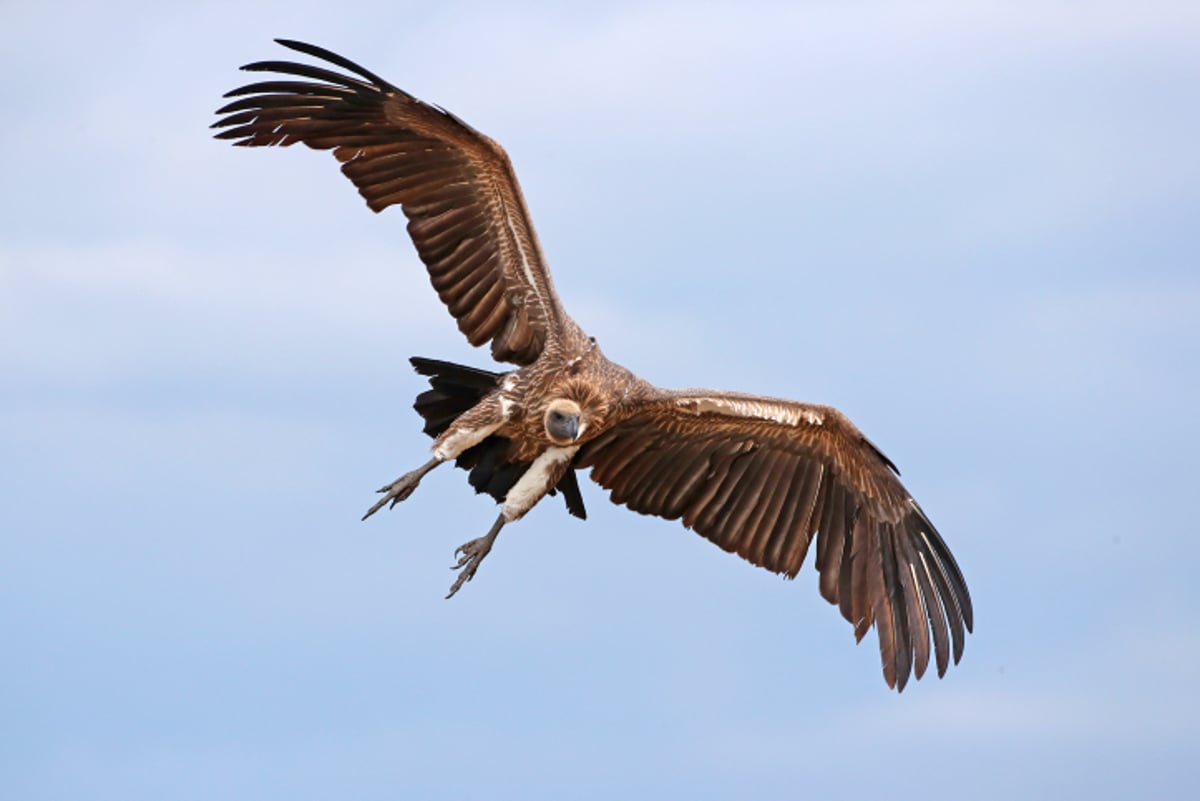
(527, 397)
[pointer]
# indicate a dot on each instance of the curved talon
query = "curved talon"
(401, 488)
(471, 564)
(379, 505)
(457, 585)
(470, 554)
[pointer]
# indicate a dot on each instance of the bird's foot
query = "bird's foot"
(401, 488)
(470, 554)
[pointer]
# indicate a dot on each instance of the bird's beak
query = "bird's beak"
(572, 426)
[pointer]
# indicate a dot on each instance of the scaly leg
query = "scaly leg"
(472, 554)
(402, 487)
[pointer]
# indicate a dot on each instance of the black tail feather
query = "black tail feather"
(454, 389)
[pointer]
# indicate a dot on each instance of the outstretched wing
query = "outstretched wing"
(762, 478)
(466, 213)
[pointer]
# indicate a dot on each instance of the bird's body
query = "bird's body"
(760, 477)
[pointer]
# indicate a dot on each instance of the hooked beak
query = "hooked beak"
(564, 422)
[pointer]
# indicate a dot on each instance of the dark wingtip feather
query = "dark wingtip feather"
(333, 58)
(881, 455)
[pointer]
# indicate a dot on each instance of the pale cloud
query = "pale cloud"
(80, 310)
(73, 437)
(1147, 700)
(1146, 705)
(717, 60)
(1073, 343)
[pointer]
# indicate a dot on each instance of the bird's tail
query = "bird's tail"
(454, 389)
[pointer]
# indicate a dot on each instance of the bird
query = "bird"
(760, 477)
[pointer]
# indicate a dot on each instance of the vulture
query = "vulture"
(763, 478)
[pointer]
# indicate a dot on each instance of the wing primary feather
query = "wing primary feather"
(470, 321)
(384, 178)
(461, 264)
(920, 615)
(625, 482)
(644, 481)
(333, 80)
(729, 523)
(718, 469)
(334, 58)
(794, 540)
(940, 555)
(612, 454)
(683, 493)
(893, 606)
(678, 467)
(489, 326)
(721, 502)
(847, 585)
(946, 595)
(467, 299)
(277, 94)
(775, 481)
(831, 543)
(797, 552)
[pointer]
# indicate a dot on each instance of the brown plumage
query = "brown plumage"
(760, 477)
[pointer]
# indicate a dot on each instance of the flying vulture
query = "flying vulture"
(760, 477)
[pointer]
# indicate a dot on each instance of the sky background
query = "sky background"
(972, 226)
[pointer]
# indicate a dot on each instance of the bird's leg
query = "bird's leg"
(473, 553)
(402, 487)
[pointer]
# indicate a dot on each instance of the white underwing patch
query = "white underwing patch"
(525, 266)
(752, 409)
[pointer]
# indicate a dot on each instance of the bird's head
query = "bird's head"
(563, 421)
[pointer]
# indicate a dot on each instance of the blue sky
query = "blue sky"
(970, 226)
